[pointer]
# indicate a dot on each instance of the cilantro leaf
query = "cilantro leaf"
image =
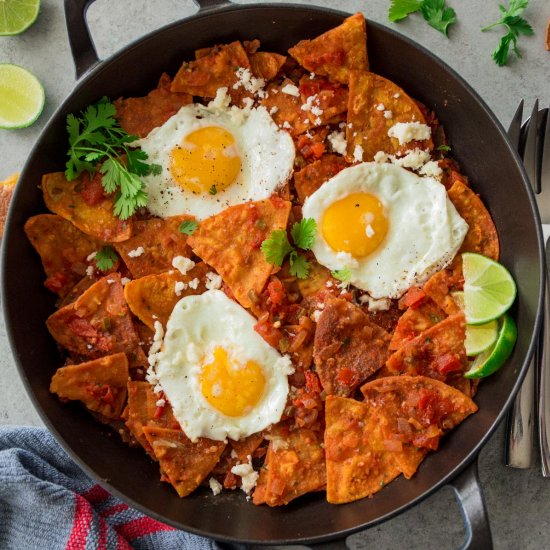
(515, 26)
(213, 190)
(446, 148)
(299, 266)
(276, 247)
(399, 9)
(438, 15)
(303, 233)
(188, 227)
(105, 258)
(343, 275)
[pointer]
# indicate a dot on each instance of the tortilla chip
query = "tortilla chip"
(63, 250)
(367, 124)
(98, 323)
(322, 100)
(437, 352)
(152, 298)
(266, 65)
(100, 384)
(440, 286)
(482, 236)
(230, 242)
(7, 188)
(65, 198)
(161, 241)
(142, 410)
(337, 51)
(295, 465)
(286, 109)
(184, 463)
(216, 69)
(316, 280)
(311, 145)
(139, 115)
(348, 348)
(414, 321)
(313, 175)
(77, 290)
(246, 447)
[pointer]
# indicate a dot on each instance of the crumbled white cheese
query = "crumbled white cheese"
(90, 271)
(194, 284)
(222, 99)
(277, 442)
(414, 159)
(136, 252)
(249, 82)
(383, 304)
(315, 315)
(248, 475)
(273, 110)
(329, 284)
(183, 264)
(125, 281)
(409, 131)
(215, 485)
(179, 287)
(286, 124)
(213, 281)
(396, 96)
(388, 114)
(358, 153)
(380, 107)
(318, 121)
(91, 256)
(369, 231)
(290, 89)
(380, 156)
(308, 104)
(160, 402)
(110, 281)
(431, 169)
(153, 358)
(311, 76)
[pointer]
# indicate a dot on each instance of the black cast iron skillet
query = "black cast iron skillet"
(480, 145)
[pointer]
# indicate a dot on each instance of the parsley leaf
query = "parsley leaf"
(438, 15)
(95, 137)
(299, 266)
(515, 26)
(105, 258)
(188, 227)
(446, 148)
(303, 233)
(399, 9)
(276, 247)
(343, 275)
(212, 190)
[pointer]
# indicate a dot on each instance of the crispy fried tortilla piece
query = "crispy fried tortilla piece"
(482, 235)
(161, 241)
(77, 290)
(185, 464)
(440, 286)
(216, 69)
(322, 100)
(100, 384)
(316, 280)
(139, 115)
(313, 175)
(337, 51)
(98, 323)
(230, 242)
(348, 347)
(63, 250)
(414, 321)
(418, 410)
(294, 466)
(266, 65)
(367, 124)
(245, 447)
(152, 298)
(66, 199)
(7, 188)
(358, 464)
(437, 352)
(142, 410)
(286, 109)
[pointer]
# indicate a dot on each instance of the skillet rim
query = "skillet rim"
(221, 8)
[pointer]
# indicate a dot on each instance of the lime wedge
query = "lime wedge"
(21, 96)
(17, 16)
(489, 361)
(480, 338)
(489, 289)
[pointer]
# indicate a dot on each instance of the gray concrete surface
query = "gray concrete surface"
(518, 501)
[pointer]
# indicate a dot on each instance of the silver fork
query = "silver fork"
(521, 418)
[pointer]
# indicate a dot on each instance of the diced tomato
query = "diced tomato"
(158, 411)
(414, 297)
(313, 384)
(345, 376)
(309, 87)
(56, 282)
(277, 201)
(268, 332)
(447, 363)
(421, 440)
(102, 393)
(82, 327)
(92, 189)
(276, 291)
(310, 149)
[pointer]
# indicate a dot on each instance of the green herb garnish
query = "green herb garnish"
(436, 13)
(445, 148)
(188, 227)
(343, 275)
(212, 190)
(105, 258)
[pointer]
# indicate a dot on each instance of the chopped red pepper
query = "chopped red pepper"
(414, 297)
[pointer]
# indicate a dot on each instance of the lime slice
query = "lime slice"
(480, 337)
(491, 360)
(489, 289)
(17, 16)
(21, 96)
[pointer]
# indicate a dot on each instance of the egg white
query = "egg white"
(266, 152)
(197, 325)
(425, 230)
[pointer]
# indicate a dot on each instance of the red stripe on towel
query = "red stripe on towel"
(83, 514)
(140, 527)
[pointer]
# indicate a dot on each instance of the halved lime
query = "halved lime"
(17, 16)
(489, 289)
(489, 361)
(480, 338)
(21, 96)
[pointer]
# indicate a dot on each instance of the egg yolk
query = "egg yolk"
(206, 161)
(232, 388)
(356, 224)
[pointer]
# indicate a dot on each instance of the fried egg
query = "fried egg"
(389, 227)
(220, 376)
(213, 157)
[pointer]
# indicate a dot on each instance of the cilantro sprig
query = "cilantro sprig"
(105, 258)
(95, 137)
(436, 13)
(343, 275)
(515, 26)
(278, 247)
(188, 227)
